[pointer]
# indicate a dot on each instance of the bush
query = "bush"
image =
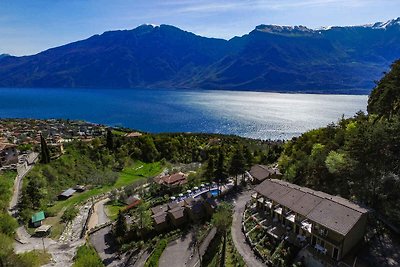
(34, 258)
(7, 224)
(86, 256)
(152, 261)
(69, 214)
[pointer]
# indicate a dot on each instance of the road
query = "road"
(237, 235)
(99, 215)
(18, 185)
(178, 252)
(105, 246)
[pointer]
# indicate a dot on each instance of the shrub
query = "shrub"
(69, 214)
(152, 261)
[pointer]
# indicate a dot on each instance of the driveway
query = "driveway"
(237, 235)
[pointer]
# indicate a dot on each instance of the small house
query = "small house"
(160, 221)
(195, 208)
(259, 173)
(66, 194)
(37, 219)
(43, 230)
(178, 216)
(79, 188)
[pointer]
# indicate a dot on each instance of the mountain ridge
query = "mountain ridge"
(269, 58)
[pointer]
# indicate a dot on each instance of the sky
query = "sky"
(30, 26)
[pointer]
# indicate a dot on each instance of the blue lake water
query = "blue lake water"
(249, 114)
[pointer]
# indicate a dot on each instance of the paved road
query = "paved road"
(105, 246)
(178, 252)
(237, 235)
(194, 262)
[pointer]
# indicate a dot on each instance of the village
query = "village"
(271, 218)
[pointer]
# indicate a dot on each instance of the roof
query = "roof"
(133, 134)
(67, 193)
(333, 212)
(37, 217)
(159, 208)
(334, 216)
(131, 200)
(262, 172)
(160, 217)
(177, 212)
(176, 178)
(43, 228)
(6, 145)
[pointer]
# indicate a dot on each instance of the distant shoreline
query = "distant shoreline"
(306, 92)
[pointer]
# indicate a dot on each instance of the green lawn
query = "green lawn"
(139, 170)
(127, 176)
(112, 210)
(35, 258)
(6, 187)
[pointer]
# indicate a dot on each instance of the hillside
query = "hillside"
(356, 158)
(269, 58)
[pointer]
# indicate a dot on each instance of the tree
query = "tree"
(237, 164)
(109, 140)
(120, 228)
(220, 171)
(45, 153)
(145, 220)
(35, 191)
(222, 220)
(209, 173)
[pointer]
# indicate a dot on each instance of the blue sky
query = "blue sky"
(28, 27)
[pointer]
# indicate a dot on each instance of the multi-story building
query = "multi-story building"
(330, 224)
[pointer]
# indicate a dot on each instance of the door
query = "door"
(335, 253)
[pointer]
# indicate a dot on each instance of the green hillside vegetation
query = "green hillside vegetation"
(116, 161)
(8, 226)
(385, 98)
(86, 256)
(356, 158)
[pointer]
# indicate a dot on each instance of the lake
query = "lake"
(249, 114)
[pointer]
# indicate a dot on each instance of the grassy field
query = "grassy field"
(113, 209)
(127, 176)
(35, 258)
(139, 170)
(6, 187)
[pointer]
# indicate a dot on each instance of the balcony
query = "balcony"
(290, 216)
(278, 209)
(306, 226)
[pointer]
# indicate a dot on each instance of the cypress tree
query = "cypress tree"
(45, 153)
(109, 140)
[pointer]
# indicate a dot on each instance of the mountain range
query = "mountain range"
(269, 58)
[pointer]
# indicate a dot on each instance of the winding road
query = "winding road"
(237, 235)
